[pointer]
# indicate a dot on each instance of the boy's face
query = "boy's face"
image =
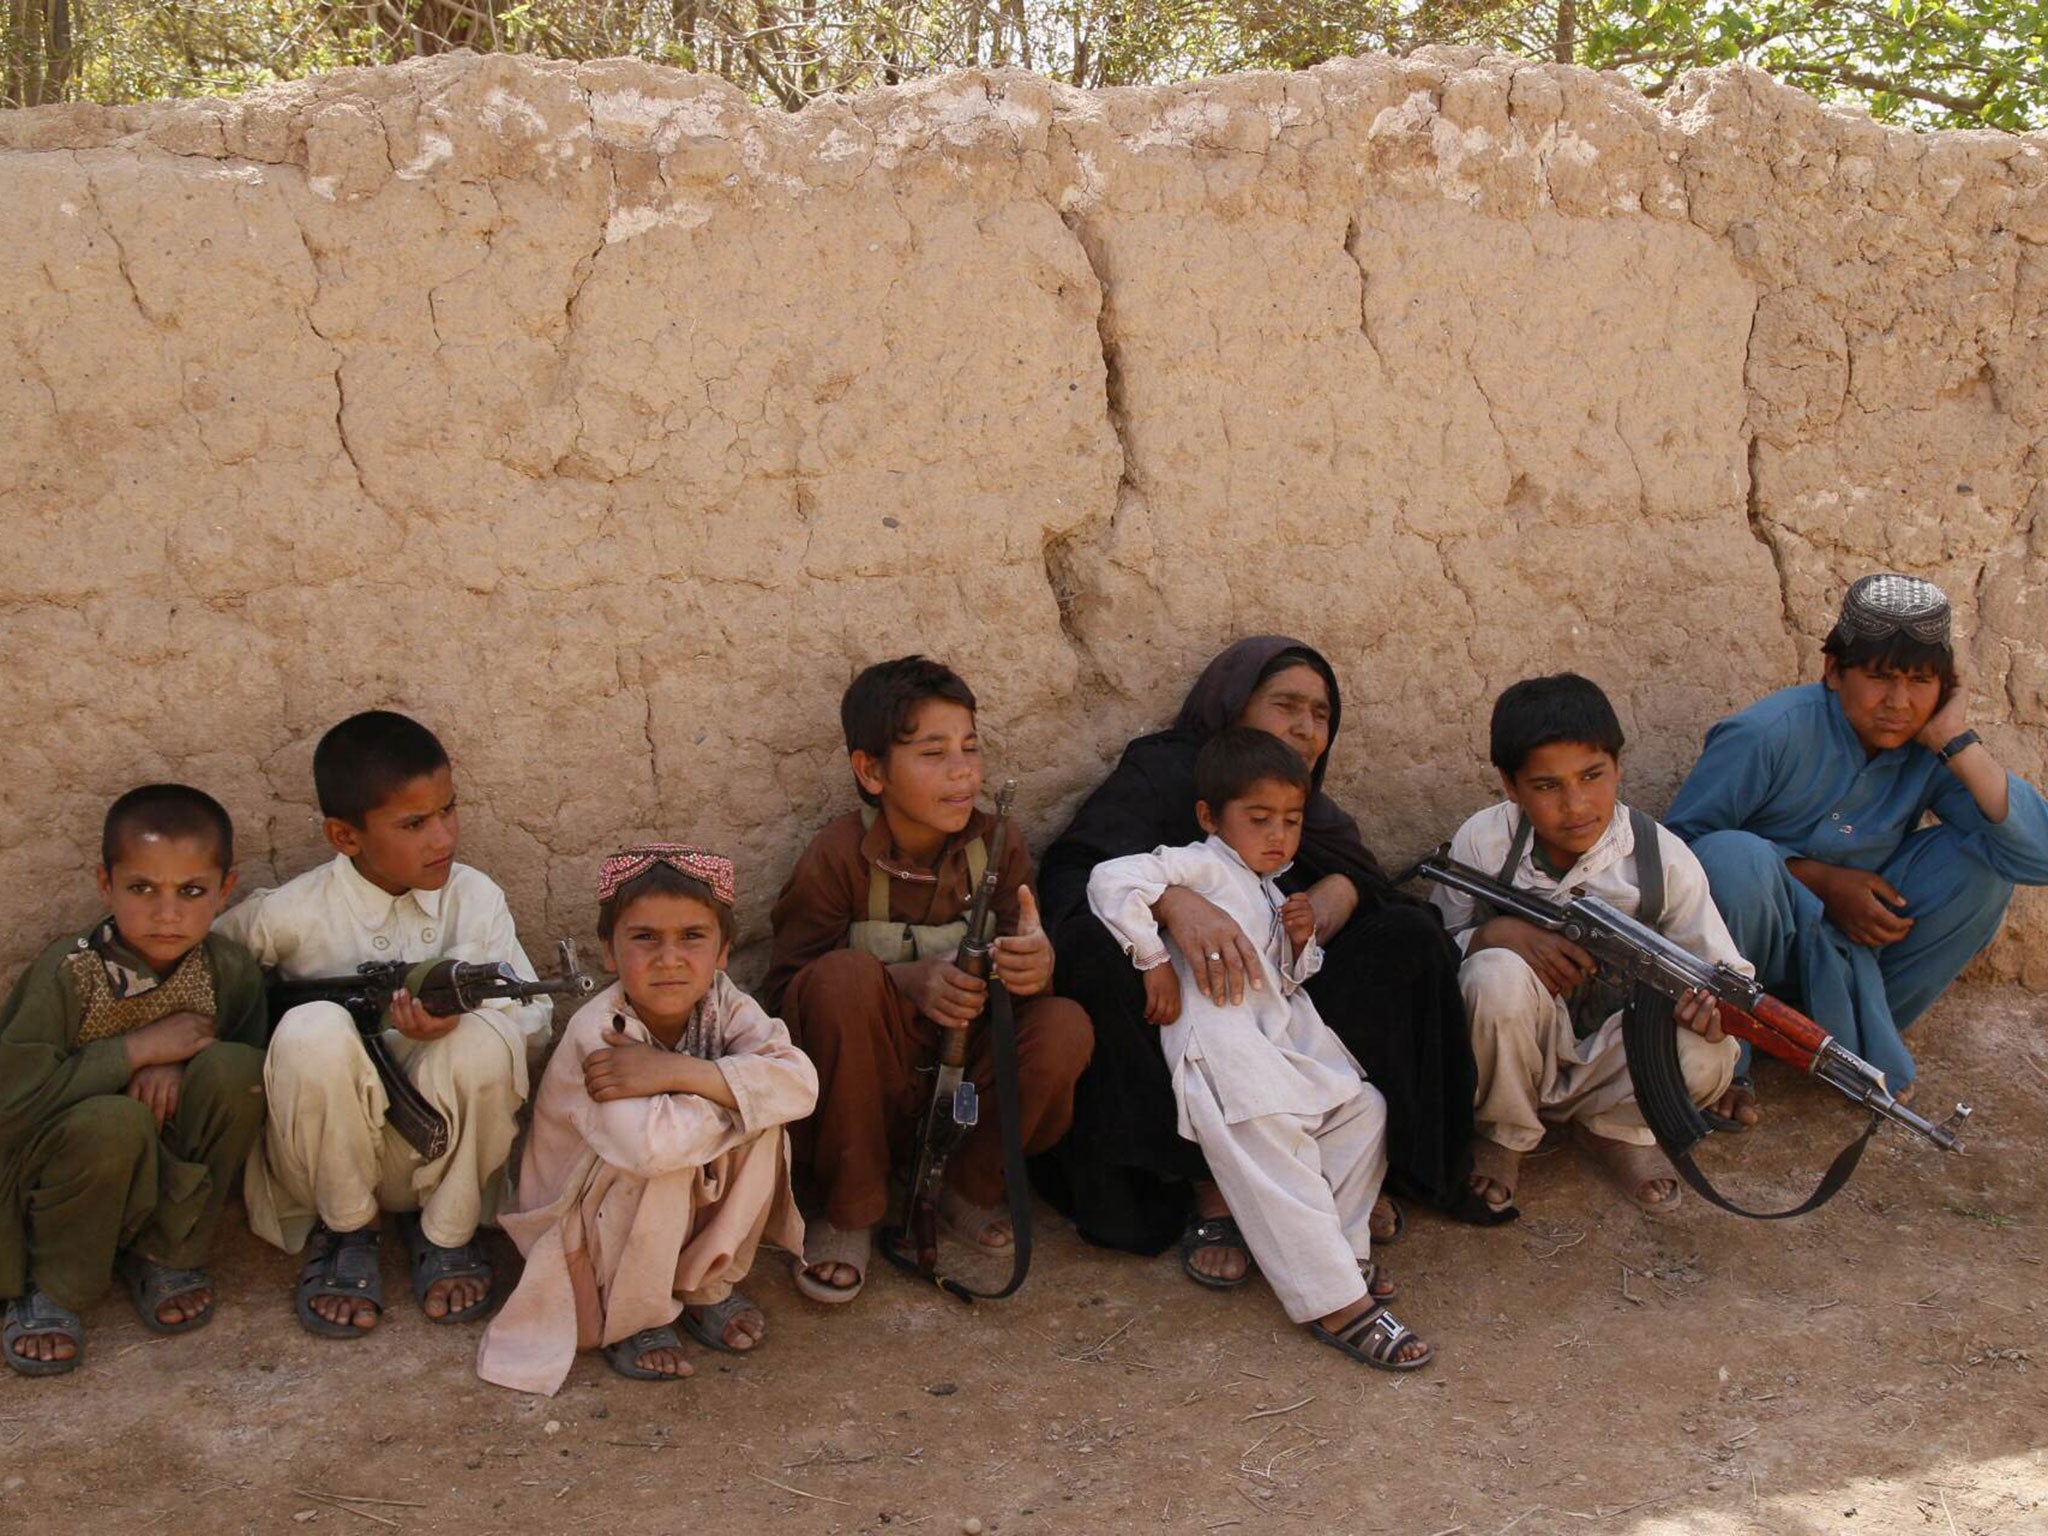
(666, 950)
(408, 842)
(165, 893)
(932, 776)
(1567, 789)
(1294, 705)
(1886, 707)
(1262, 826)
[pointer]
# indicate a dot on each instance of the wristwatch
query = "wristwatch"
(1957, 743)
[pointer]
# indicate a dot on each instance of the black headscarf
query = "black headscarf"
(1330, 840)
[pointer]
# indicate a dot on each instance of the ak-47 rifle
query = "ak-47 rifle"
(955, 1107)
(1658, 973)
(442, 987)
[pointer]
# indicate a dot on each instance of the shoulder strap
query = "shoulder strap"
(1517, 846)
(1649, 868)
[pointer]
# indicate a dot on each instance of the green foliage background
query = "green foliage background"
(1976, 63)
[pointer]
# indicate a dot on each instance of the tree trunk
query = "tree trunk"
(1567, 31)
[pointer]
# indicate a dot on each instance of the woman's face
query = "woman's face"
(1293, 704)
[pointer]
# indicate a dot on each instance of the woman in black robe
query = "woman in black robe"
(1388, 986)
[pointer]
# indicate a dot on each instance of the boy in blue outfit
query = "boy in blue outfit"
(1805, 810)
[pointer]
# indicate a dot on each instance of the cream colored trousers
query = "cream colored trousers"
(1532, 1069)
(327, 1151)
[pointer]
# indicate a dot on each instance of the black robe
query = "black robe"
(1388, 986)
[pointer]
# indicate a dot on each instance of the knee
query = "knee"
(1503, 995)
(1981, 891)
(1737, 861)
(228, 1075)
(316, 1042)
(837, 994)
(1055, 1037)
(474, 1058)
(104, 1137)
(1708, 1066)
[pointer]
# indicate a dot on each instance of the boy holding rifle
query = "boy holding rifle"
(1545, 1031)
(330, 1162)
(862, 970)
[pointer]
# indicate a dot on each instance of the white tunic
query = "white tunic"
(1270, 1055)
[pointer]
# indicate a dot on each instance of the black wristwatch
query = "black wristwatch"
(1957, 743)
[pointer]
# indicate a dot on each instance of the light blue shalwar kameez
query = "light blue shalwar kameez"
(1787, 778)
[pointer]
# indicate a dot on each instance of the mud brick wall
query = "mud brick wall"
(609, 424)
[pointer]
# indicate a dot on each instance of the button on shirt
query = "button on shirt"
(1791, 770)
(330, 920)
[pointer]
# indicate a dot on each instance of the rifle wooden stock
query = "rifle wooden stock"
(1777, 1029)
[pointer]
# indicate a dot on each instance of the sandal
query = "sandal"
(1632, 1167)
(1497, 1165)
(827, 1244)
(1375, 1337)
(967, 1221)
(37, 1316)
(1215, 1232)
(1379, 1285)
(431, 1264)
(624, 1356)
(707, 1325)
(151, 1284)
(1744, 1088)
(1388, 1232)
(339, 1264)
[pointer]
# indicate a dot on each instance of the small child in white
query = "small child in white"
(1294, 1135)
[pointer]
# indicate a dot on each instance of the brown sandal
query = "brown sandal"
(1632, 1168)
(1497, 1165)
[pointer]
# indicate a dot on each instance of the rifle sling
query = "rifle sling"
(1649, 1035)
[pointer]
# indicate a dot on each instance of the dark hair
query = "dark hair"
(1234, 760)
(370, 757)
(662, 880)
(876, 710)
(166, 810)
(1898, 652)
(1540, 710)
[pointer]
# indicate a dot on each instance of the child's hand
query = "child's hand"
(626, 1069)
(410, 1018)
(1023, 960)
(947, 995)
(1162, 995)
(157, 1088)
(1558, 963)
(174, 1038)
(1298, 917)
(1699, 1012)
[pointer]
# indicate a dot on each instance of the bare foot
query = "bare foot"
(185, 1307)
(1411, 1349)
(348, 1311)
(1385, 1222)
(743, 1330)
(1739, 1104)
(667, 1360)
(1219, 1261)
(841, 1277)
(45, 1346)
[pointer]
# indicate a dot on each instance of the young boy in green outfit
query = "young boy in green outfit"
(131, 1087)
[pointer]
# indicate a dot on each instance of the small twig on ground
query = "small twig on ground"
(364, 1498)
(1626, 1294)
(1093, 1354)
(1525, 1514)
(1572, 1242)
(363, 1514)
(1217, 1525)
(1823, 1306)
(1267, 1413)
(1738, 1439)
(1449, 1530)
(1951, 1519)
(822, 1498)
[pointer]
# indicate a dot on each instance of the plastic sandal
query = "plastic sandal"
(1375, 1337)
(36, 1316)
(1215, 1232)
(339, 1264)
(707, 1325)
(827, 1244)
(431, 1264)
(624, 1356)
(151, 1284)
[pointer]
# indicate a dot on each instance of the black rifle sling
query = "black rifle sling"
(1002, 1023)
(1649, 1033)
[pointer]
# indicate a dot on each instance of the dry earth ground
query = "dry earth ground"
(1874, 1368)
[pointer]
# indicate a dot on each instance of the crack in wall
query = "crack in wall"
(1351, 236)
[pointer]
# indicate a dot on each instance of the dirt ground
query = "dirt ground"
(1873, 1368)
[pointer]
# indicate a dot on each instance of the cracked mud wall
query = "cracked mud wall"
(609, 424)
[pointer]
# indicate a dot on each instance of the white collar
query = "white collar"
(371, 904)
(1216, 844)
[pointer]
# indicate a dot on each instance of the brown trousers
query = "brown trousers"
(868, 1042)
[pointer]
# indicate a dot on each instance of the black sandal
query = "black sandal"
(1375, 1336)
(1215, 1232)
(38, 1316)
(624, 1356)
(431, 1264)
(151, 1284)
(339, 1264)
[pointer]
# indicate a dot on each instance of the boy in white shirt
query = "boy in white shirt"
(1293, 1134)
(329, 1164)
(1546, 1031)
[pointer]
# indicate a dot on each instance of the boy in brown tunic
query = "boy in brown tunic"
(862, 972)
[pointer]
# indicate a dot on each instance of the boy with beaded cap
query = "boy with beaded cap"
(1805, 810)
(131, 1087)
